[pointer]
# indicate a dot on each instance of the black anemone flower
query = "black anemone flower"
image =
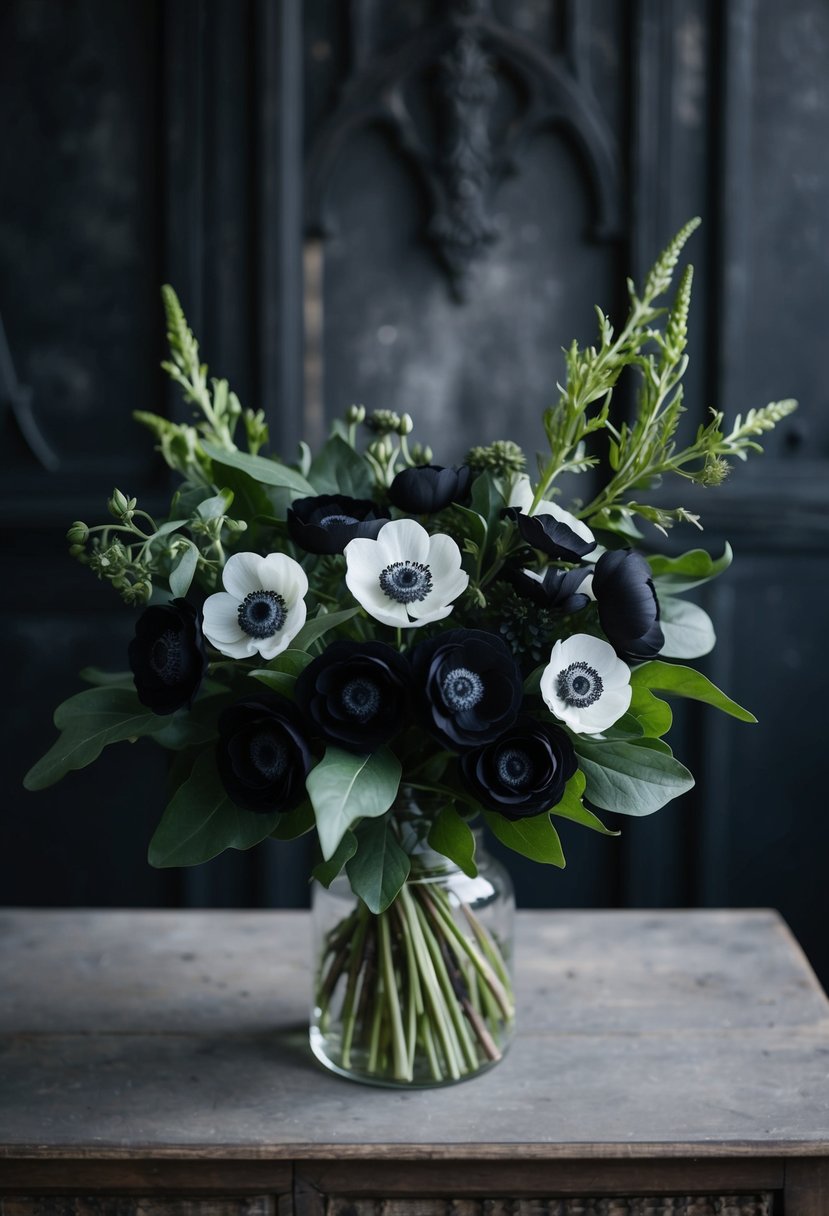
(356, 694)
(470, 686)
(263, 755)
(429, 488)
(524, 771)
(557, 590)
(558, 534)
(167, 656)
(326, 523)
(627, 603)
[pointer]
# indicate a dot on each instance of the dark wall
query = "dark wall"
(414, 206)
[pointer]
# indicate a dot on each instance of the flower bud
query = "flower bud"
(383, 422)
(421, 454)
(120, 506)
(355, 414)
(78, 534)
(380, 449)
(406, 425)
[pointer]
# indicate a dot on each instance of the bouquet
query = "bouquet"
(379, 648)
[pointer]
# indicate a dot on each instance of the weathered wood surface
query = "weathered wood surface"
(641, 1034)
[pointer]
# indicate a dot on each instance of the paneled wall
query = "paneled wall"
(414, 206)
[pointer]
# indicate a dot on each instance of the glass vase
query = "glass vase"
(421, 994)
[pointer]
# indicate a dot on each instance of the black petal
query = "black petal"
(263, 755)
(429, 488)
(167, 656)
(627, 604)
(327, 522)
(545, 753)
(550, 535)
(356, 694)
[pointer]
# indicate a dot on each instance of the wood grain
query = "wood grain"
(183, 1035)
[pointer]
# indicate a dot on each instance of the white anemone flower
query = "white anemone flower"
(262, 608)
(405, 578)
(585, 684)
(521, 495)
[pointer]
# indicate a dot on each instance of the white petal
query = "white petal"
(584, 648)
(437, 614)
(270, 647)
(389, 612)
(535, 574)
(241, 574)
(444, 558)
(282, 574)
(402, 540)
(521, 494)
(585, 587)
(440, 595)
(220, 620)
(245, 649)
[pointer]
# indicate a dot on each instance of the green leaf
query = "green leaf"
(654, 716)
(681, 681)
(380, 866)
(88, 722)
(295, 823)
(107, 679)
(476, 529)
(327, 871)
(675, 574)
(344, 788)
(218, 505)
(201, 821)
(338, 469)
(572, 807)
(268, 472)
(181, 576)
(452, 836)
(194, 727)
(319, 625)
(276, 681)
(687, 628)
(532, 684)
(487, 500)
(631, 778)
(534, 837)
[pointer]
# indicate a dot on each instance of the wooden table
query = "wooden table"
(155, 1063)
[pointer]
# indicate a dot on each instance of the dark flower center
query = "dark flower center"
(166, 658)
(461, 688)
(334, 521)
(406, 582)
(579, 685)
(514, 767)
(360, 699)
(262, 613)
(268, 754)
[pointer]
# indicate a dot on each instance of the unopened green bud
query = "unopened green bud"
(120, 506)
(421, 453)
(77, 550)
(406, 425)
(355, 414)
(235, 525)
(383, 422)
(78, 534)
(502, 457)
(380, 449)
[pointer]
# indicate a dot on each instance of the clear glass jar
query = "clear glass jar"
(421, 994)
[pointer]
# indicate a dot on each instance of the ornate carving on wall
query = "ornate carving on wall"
(487, 91)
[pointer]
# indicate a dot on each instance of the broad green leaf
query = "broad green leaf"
(572, 807)
(344, 787)
(680, 681)
(532, 684)
(276, 681)
(534, 837)
(319, 625)
(675, 574)
(88, 722)
(292, 824)
(338, 469)
(219, 504)
(201, 821)
(631, 778)
(181, 576)
(172, 525)
(380, 866)
(268, 472)
(327, 871)
(107, 679)
(654, 716)
(194, 727)
(688, 630)
(487, 500)
(476, 528)
(451, 835)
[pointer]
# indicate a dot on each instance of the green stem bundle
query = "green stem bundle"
(411, 995)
